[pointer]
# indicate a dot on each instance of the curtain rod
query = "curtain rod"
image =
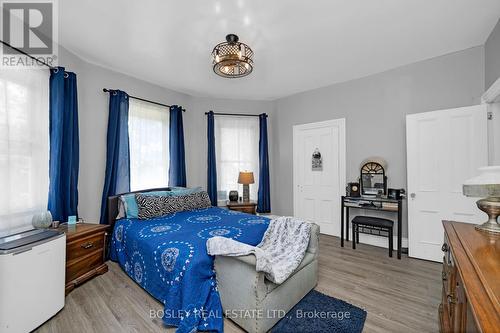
(38, 61)
(143, 99)
(235, 114)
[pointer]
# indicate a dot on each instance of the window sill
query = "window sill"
(221, 203)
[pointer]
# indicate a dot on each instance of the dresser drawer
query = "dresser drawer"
(447, 276)
(242, 206)
(248, 210)
(83, 246)
(81, 267)
(85, 249)
(444, 318)
(470, 295)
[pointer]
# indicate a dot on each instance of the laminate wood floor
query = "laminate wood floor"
(399, 295)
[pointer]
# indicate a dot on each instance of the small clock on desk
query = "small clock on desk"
(353, 190)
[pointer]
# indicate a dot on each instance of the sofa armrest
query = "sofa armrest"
(232, 271)
(249, 259)
(311, 248)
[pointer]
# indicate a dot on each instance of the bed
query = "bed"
(167, 257)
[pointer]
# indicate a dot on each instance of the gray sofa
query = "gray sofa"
(255, 303)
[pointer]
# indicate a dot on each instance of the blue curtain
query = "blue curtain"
(117, 177)
(264, 195)
(177, 171)
(64, 144)
(211, 160)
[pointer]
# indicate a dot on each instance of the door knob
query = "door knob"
(413, 195)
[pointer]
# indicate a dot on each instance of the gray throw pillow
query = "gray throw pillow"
(154, 206)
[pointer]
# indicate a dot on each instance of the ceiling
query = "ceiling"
(298, 45)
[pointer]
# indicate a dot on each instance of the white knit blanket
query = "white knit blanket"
(279, 253)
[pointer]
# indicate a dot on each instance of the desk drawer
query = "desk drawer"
(84, 246)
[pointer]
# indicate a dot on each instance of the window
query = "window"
(237, 149)
(148, 129)
(24, 146)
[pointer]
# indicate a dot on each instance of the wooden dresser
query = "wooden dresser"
(471, 280)
(85, 252)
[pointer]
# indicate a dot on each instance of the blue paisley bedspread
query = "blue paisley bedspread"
(167, 256)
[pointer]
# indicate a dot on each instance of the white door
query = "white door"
(444, 148)
(317, 189)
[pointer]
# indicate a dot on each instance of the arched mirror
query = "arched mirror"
(373, 180)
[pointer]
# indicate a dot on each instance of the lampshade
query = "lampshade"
(246, 178)
(486, 184)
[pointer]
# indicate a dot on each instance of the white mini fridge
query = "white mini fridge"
(32, 279)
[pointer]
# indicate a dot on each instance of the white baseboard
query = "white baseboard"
(381, 241)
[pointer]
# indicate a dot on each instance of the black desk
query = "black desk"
(373, 204)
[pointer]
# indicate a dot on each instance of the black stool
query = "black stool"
(372, 226)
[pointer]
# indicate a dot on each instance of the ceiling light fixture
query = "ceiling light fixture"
(232, 59)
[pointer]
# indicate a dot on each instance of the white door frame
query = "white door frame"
(341, 123)
(492, 95)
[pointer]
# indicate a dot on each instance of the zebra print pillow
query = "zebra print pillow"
(155, 206)
(197, 200)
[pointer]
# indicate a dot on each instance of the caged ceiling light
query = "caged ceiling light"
(232, 59)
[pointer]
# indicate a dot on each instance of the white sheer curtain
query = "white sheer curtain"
(24, 146)
(237, 149)
(148, 129)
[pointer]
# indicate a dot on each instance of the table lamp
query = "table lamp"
(246, 178)
(486, 186)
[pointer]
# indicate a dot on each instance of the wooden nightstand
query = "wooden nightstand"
(85, 252)
(241, 206)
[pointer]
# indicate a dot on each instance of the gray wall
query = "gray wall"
(93, 119)
(492, 56)
(375, 109)
(373, 106)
